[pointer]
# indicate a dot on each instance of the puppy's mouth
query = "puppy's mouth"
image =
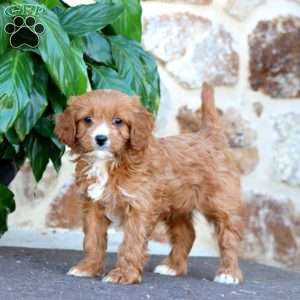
(103, 152)
(100, 153)
(104, 148)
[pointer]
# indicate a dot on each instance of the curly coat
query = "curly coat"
(139, 181)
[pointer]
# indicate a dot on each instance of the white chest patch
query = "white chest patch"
(99, 172)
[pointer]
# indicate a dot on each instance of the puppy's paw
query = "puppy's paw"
(78, 273)
(165, 270)
(226, 278)
(123, 277)
(86, 268)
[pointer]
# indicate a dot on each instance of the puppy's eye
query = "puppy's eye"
(117, 121)
(88, 120)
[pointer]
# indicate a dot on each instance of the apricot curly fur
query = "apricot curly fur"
(152, 180)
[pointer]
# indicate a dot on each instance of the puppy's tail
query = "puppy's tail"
(211, 118)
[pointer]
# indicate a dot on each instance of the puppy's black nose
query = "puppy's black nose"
(101, 139)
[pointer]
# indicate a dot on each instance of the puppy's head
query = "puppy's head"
(104, 123)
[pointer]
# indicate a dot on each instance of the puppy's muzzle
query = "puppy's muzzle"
(101, 140)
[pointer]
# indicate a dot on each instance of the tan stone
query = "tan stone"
(273, 231)
(237, 129)
(26, 185)
(193, 49)
(274, 57)
(241, 9)
(246, 158)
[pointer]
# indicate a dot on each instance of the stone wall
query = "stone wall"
(250, 51)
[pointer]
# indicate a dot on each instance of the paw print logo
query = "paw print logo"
(24, 32)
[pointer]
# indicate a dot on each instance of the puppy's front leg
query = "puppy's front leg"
(133, 251)
(95, 241)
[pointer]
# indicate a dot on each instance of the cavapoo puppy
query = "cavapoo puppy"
(128, 177)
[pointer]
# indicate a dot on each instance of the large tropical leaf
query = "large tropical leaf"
(138, 69)
(56, 99)
(16, 72)
(129, 24)
(64, 63)
(3, 34)
(9, 151)
(8, 112)
(45, 128)
(12, 136)
(7, 205)
(82, 19)
(50, 3)
(38, 152)
(107, 78)
(97, 47)
(36, 106)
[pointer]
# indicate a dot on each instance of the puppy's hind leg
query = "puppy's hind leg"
(229, 227)
(182, 236)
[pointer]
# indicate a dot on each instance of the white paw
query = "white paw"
(164, 270)
(106, 279)
(226, 279)
(75, 272)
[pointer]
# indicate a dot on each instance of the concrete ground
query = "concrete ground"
(28, 274)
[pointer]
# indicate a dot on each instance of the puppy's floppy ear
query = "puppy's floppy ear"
(142, 125)
(65, 127)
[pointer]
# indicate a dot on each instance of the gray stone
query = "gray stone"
(286, 156)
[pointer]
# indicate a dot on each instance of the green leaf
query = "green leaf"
(56, 155)
(45, 127)
(64, 63)
(3, 35)
(82, 19)
(107, 78)
(16, 71)
(98, 48)
(12, 136)
(20, 158)
(78, 43)
(36, 106)
(50, 3)
(10, 151)
(56, 98)
(7, 205)
(8, 112)
(138, 68)
(38, 152)
(129, 24)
